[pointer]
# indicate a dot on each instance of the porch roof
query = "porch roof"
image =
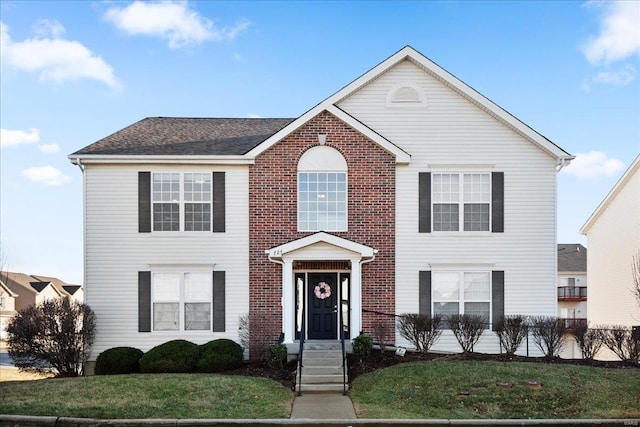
(362, 251)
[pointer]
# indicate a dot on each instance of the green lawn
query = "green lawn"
(466, 389)
(148, 396)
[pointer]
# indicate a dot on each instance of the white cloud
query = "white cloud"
(47, 175)
(170, 20)
(617, 78)
(254, 116)
(11, 138)
(619, 37)
(594, 164)
(49, 148)
(46, 28)
(54, 58)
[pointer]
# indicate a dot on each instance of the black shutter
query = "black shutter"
(144, 202)
(497, 297)
(144, 301)
(425, 293)
(497, 202)
(219, 202)
(424, 207)
(218, 301)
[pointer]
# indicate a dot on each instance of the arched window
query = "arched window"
(322, 190)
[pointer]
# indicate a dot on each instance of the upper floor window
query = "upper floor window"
(461, 201)
(181, 201)
(322, 190)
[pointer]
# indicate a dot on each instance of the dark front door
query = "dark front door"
(323, 306)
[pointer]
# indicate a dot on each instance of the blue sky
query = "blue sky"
(74, 72)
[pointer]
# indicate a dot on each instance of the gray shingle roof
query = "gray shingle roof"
(572, 257)
(187, 136)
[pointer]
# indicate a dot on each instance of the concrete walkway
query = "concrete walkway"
(323, 406)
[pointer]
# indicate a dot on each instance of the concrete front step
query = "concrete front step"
(321, 354)
(321, 379)
(322, 370)
(322, 345)
(322, 388)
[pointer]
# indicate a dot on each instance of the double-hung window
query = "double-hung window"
(181, 201)
(462, 292)
(182, 301)
(461, 201)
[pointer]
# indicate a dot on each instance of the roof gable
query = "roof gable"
(626, 177)
(408, 53)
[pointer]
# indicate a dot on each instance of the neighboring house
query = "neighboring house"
(406, 191)
(7, 308)
(32, 290)
(572, 290)
(613, 237)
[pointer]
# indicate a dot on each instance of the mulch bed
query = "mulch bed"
(383, 359)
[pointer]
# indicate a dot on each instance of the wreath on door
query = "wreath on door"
(322, 290)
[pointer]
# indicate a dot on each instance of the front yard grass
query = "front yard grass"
(469, 389)
(148, 396)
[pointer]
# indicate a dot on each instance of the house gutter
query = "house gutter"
(562, 162)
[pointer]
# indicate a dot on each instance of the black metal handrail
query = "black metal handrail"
(344, 352)
(301, 350)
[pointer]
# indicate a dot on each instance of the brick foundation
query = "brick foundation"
(273, 222)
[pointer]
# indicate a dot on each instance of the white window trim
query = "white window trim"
(467, 169)
(182, 301)
(181, 205)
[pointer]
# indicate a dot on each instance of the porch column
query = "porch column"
(356, 298)
(287, 301)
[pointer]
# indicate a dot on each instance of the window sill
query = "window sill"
(461, 233)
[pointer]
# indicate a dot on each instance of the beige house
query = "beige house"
(613, 235)
(7, 308)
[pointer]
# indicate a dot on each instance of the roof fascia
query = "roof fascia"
(7, 290)
(165, 159)
(612, 194)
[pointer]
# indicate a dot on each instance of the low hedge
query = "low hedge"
(177, 356)
(219, 355)
(118, 360)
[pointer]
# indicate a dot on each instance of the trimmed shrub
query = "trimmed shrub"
(589, 340)
(511, 331)
(118, 360)
(220, 355)
(276, 356)
(620, 340)
(467, 328)
(422, 330)
(175, 356)
(549, 334)
(362, 345)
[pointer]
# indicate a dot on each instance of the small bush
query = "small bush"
(511, 331)
(175, 356)
(589, 340)
(467, 328)
(620, 340)
(54, 334)
(276, 356)
(381, 330)
(219, 355)
(422, 330)
(549, 334)
(362, 345)
(118, 360)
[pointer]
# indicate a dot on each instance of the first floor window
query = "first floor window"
(455, 292)
(182, 301)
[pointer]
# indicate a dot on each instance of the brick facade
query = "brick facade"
(273, 222)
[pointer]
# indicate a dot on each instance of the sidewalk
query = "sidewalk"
(323, 406)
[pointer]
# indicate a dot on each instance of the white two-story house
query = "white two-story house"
(406, 191)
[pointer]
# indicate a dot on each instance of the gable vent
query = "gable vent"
(406, 95)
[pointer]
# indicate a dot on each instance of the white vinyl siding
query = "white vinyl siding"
(115, 252)
(452, 134)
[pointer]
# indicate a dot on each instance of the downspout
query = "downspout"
(80, 165)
